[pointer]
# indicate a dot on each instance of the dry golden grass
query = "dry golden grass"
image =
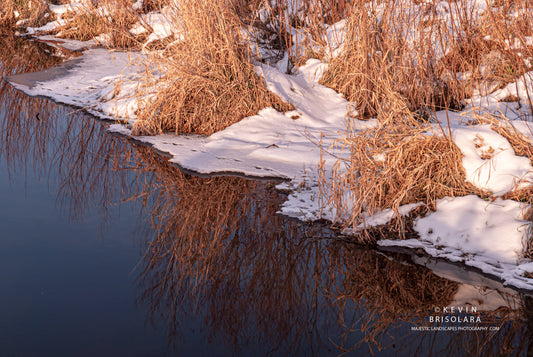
(209, 81)
(34, 10)
(398, 162)
(402, 82)
(417, 168)
(378, 57)
(92, 21)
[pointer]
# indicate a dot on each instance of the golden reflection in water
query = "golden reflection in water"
(216, 249)
(24, 132)
(221, 253)
(221, 249)
(391, 290)
(54, 141)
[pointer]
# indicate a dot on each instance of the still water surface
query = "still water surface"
(106, 249)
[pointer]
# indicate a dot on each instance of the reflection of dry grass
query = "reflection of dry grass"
(220, 250)
(220, 246)
(389, 291)
(23, 138)
(386, 292)
(79, 151)
(258, 280)
(19, 56)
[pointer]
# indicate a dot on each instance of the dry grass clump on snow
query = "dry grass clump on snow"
(432, 62)
(12, 11)
(396, 163)
(401, 62)
(378, 57)
(209, 81)
(112, 19)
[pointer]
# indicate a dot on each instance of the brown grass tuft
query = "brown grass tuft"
(209, 82)
(417, 168)
(92, 22)
(397, 163)
(479, 54)
(377, 58)
(34, 10)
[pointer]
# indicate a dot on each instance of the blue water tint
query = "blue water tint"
(67, 286)
(106, 249)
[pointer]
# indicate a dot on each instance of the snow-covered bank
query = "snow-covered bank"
(489, 235)
(89, 82)
(274, 144)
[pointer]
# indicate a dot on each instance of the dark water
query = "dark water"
(108, 250)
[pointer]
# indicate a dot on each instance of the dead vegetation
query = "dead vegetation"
(32, 12)
(107, 21)
(397, 46)
(209, 80)
(402, 61)
(218, 245)
(392, 69)
(398, 162)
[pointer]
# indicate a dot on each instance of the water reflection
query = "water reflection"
(215, 251)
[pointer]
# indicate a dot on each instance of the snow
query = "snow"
(85, 81)
(479, 229)
(46, 28)
(161, 24)
(490, 161)
(383, 217)
(486, 235)
(489, 236)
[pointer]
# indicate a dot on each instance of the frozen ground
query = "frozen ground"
(482, 234)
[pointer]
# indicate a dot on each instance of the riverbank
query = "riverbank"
(462, 155)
